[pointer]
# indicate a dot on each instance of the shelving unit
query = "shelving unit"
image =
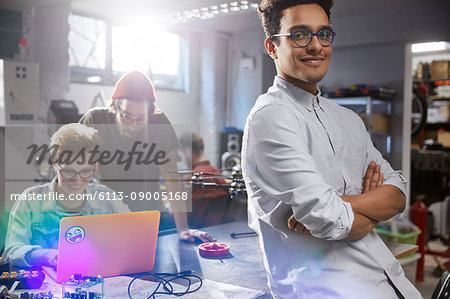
(438, 108)
(372, 108)
(423, 72)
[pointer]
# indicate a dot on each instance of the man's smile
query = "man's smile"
(312, 60)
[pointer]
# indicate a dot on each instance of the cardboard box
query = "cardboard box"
(380, 122)
(439, 69)
(438, 114)
(444, 138)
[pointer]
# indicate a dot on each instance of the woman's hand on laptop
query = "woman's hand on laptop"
(43, 257)
(191, 235)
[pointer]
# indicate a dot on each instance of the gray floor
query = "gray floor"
(427, 287)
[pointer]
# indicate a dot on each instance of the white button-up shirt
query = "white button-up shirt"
(300, 154)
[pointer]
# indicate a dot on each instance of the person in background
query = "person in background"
(306, 163)
(33, 229)
(132, 119)
(209, 204)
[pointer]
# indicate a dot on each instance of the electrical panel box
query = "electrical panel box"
(19, 92)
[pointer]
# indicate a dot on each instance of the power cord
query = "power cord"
(165, 280)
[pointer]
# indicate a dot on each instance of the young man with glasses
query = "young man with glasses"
(132, 121)
(316, 184)
(33, 229)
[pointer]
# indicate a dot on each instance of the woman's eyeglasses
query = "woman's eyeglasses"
(71, 174)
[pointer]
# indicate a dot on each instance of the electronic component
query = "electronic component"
(79, 294)
(40, 295)
(26, 279)
(83, 287)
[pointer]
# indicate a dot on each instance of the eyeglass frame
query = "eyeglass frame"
(333, 34)
(134, 120)
(77, 173)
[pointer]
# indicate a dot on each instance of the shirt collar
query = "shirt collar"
(304, 98)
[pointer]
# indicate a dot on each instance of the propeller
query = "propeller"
(197, 173)
(236, 188)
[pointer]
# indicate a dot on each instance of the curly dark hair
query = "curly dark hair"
(269, 12)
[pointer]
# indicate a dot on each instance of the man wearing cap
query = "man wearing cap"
(134, 129)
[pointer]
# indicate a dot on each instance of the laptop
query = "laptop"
(106, 245)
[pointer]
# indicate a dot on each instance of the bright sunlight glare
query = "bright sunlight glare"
(142, 46)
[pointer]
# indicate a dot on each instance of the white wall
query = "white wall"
(246, 85)
(83, 95)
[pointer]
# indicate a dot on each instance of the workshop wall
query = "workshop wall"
(49, 46)
(246, 81)
(211, 114)
(370, 48)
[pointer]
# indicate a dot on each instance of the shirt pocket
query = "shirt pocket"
(357, 171)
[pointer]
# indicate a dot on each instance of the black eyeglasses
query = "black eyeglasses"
(128, 118)
(303, 37)
(71, 174)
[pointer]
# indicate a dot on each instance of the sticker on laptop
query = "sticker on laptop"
(75, 234)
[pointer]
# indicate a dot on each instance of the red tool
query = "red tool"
(418, 215)
(213, 249)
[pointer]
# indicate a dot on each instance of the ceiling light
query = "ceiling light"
(209, 12)
(428, 47)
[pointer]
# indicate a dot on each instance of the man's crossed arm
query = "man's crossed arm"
(376, 202)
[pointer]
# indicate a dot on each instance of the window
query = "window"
(154, 52)
(101, 52)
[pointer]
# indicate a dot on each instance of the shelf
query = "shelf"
(376, 115)
(377, 132)
(358, 101)
(439, 99)
(436, 126)
(430, 80)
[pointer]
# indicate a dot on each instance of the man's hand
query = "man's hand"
(373, 177)
(297, 226)
(191, 234)
(43, 257)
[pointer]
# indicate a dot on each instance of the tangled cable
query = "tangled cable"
(165, 280)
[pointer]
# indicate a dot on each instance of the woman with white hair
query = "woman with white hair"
(33, 229)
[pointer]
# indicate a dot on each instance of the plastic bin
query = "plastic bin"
(387, 236)
(409, 265)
